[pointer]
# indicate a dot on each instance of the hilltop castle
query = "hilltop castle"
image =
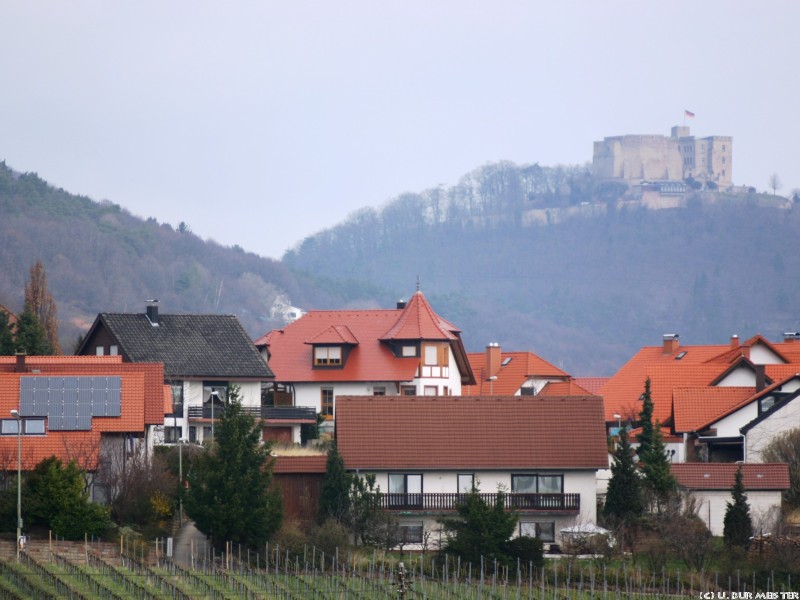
(637, 158)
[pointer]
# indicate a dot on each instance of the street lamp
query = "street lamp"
(214, 397)
(15, 414)
(619, 421)
(491, 384)
(181, 442)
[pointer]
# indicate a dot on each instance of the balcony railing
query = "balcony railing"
(272, 413)
(521, 502)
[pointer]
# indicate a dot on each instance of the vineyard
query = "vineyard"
(60, 570)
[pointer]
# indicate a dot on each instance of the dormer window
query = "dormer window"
(408, 350)
(327, 356)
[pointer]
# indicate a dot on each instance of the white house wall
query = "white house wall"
(761, 355)
(730, 425)
(249, 395)
(763, 433)
(740, 377)
(764, 508)
(436, 482)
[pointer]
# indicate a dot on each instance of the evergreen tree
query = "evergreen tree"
(229, 494)
(31, 336)
(481, 531)
(658, 479)
(737, 527)
(40, 301)
(7, 346)
(334, 500)
(55, 498)
(624, 498)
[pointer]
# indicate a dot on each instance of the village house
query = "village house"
(427, 452)
(94, 410)
(710, 485)
(517, 374)
(204, 356)
(706, 396)
(408, 350)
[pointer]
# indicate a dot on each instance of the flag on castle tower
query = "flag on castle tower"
(688, 113)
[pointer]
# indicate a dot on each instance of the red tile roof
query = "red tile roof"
(520, 366)
(695, 408)
(720, 476)
(452, 432)
(335, 334)
(369, 357)
(417, 321)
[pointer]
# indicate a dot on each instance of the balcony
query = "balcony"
(293, 414)
(570, 503)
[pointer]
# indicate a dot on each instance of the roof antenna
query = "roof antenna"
(417, 282)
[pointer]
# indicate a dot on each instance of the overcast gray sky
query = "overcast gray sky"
(260, 123)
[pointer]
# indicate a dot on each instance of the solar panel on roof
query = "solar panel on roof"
(69, 403)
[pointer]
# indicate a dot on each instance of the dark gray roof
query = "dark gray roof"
(189, 345)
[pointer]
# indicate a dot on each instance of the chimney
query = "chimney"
(791, 336)
(761, 378)
(734, 341)
(493, 358)
(401, 304)
(152, 312)
(671, 343)
(20, 366)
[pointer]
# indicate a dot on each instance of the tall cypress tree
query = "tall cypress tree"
(229, 496)
(737, 527)
(624, 498)
(7, 345)
(658, 478)
(334, 499)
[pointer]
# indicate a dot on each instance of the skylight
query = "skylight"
(680, 355)
(506, 361)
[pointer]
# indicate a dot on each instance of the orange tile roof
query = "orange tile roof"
(142, 403)
(591, 384)
(563, 388)
(460, 432)
(520, 367)
(622, 393)
(290, 349)
(695, 408)
(672, 367)
(720, 476)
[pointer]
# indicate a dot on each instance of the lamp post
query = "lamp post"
(15, 414)
(619, 421)
(181, 441)
(491, 384)
(214, 397)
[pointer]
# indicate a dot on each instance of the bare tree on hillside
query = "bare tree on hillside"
(41, 303)
(775, 183)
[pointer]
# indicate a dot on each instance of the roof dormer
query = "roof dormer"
(331, 346)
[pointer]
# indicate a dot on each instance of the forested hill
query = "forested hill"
(535, 258)
(548, 260)
(100, 258)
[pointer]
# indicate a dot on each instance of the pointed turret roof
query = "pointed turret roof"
(417, 321)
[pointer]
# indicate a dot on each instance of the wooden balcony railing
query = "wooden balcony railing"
(444, 502)
(277, 413)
